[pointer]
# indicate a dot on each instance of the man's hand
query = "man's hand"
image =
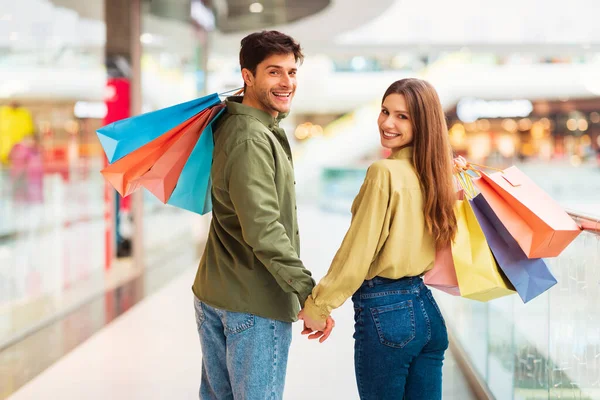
(317, 329)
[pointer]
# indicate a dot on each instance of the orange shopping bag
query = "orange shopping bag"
(123, 174)
(538, 223)
(162, 178)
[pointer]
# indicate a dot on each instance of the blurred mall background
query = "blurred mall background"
(520, 83)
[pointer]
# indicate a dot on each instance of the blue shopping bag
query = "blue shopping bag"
(124, 136)
(194, 186)
(530, 276)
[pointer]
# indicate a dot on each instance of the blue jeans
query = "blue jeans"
(400, 340)
(243, 356)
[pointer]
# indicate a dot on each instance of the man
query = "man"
(251, 282)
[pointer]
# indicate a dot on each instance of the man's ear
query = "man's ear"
(248, 77)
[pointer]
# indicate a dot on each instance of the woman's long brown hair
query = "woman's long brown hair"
(432, 156)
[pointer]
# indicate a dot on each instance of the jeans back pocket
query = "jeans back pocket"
(395, 323)
(236, 322)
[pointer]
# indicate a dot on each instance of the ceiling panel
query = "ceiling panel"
(235, 15)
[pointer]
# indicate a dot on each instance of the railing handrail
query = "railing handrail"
(587, 222)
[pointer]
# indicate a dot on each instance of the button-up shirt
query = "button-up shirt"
(387, 236)
(251, 262)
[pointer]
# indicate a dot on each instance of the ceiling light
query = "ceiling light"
(256, 8)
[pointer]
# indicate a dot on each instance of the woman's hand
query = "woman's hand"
(317, 329)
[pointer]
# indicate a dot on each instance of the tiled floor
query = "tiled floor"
(152, 352)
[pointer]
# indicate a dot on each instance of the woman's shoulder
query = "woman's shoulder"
(387, 166)
(379, 170)
(399, 173)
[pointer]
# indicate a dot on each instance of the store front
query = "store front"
(502, 132)
(61, 232)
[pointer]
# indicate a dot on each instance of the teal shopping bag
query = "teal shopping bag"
(194, 186)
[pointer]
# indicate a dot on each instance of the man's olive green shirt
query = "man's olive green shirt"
(251, 262)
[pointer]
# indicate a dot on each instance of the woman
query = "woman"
(404, 210)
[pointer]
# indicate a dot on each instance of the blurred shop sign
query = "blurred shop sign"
(90, 109)
(117, 100)
(470, 110)
(203, 15)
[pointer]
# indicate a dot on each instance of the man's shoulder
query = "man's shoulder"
(238, 128)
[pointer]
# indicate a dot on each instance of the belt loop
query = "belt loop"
(370, 283)
(413, 286)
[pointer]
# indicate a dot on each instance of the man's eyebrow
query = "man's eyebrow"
(280, 67)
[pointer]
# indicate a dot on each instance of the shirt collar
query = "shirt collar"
(402, 153)
(235, 106)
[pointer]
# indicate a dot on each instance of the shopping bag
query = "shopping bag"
(443, 275)
(125, 136)
(194, 186)
(162, 177)
(539, 224)
(478, 274)
(529, 276)
(124, 174)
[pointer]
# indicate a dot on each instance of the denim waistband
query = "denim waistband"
(412, 283)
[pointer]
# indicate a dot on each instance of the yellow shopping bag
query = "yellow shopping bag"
(478, 274)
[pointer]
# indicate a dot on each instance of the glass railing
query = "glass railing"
(548, 348)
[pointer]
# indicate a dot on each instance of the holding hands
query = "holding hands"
(316, 329)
